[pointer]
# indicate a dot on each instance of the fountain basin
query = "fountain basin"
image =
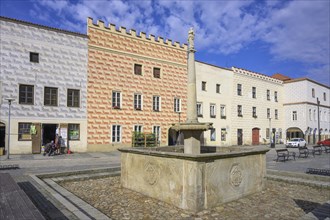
(194, 181)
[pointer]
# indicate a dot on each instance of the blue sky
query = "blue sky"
(288, 37)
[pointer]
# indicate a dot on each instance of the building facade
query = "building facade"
(307, 109)
(256, 109)
(45, 71)
(135, 84)
(214, 91)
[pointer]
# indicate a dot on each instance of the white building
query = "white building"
(45, 70)
(257, 108)
(214, 91)
(304, 117)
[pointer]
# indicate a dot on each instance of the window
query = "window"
(314, 115)
(74, 131)
(254, 92)
(239, 89)
(294, 116)
(239, 111)
(156, 103)
(34, 57)
(310, 114)
(156, 72)
(156, 131)
(116, 100)
(268, 112)
(137, 102)
(116, 133)
(223, 134)
(267, 133)
(199, 109)
(254, 112)
(213, 136)
(50, 96)
(26, 94)
(218, 88)
(24, 131)
(212, 110)
(73, 98)
(276, 114)
(313, 93)
(138, 128)
(324, 96)
(223, 111)
(203, 86)
(138, 69)
(177, 105)
(275, 96)
(268, 94)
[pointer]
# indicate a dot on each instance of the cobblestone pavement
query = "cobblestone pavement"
(277, 201)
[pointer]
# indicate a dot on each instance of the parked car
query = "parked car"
(325, 142)
(296, 142)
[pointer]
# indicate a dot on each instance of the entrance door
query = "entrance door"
(255, 136)
(239, 136)
(36, 139)
(2, 135)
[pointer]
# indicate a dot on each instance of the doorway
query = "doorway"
(48, 133)
(2, 134)
(255, 136)
(239, 136)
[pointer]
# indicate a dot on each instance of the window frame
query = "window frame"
(156, 130)
(116, 101)
(239, 89)
(254, 92)
(294, 116)
(223, 112)
(72, 127)
(116, 133)
(254, 112)
(203, 85)
(213, 110)
(268, 113)
(136, 65)
(276, 113)
(26, 129)
(138, 101)
(275, 96)
(213, 134)
(156, 104)
(199, 109)
(71, 102)
(34, 57)
(177, 105)
(28, 98)
(218, 88)
(223, 134)
(239, 110)
(313, 92)
(155, 74)
(268, 95)
(50, 96)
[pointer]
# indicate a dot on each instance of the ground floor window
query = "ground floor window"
(156, 131)
(74, 132)
(116, 133)
(223, 134)
(213, 136)
(24, 131)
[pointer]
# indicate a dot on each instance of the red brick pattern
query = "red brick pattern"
(110, 68)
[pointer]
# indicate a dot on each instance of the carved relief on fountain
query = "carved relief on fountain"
(236, 175)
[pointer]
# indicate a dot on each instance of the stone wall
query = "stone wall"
(62, 64)
(112, 54)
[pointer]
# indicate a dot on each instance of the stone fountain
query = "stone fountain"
(187, 178)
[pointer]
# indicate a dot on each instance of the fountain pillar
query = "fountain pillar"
(192, 129)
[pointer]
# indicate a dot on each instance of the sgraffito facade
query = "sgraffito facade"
(135, 84)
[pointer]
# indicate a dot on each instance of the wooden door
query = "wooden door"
(239, 136)
(255, 136)
(36, 139)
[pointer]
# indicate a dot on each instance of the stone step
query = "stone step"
(302, 181)
(86, 176)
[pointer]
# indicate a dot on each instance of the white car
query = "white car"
(296, 142)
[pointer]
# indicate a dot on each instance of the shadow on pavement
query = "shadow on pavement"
(307, 206)
(46, 208)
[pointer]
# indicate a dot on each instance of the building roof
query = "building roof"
(213, 65)
(281, 77)
(42, 26)
(307, 79)
(256, 75)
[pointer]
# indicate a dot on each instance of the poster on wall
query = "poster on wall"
(64, 134)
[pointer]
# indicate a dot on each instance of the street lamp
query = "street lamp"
(10, 100)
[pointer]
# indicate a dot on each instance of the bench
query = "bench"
(303, 152)
(317, 150)
(284, 154)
